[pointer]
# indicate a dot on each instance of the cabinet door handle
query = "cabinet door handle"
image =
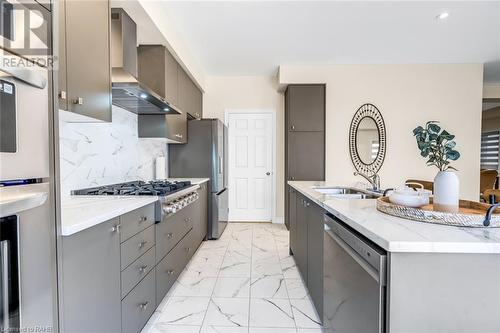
(178, 136)
(169, 235)
(62, 94)
(144, 305)
(78, 101)
(170, 272)
(141, 244)
(292, 178)
(188, 249)
(142, 269)
(143, 219)
(307, 204)
(116, 228)
(293, 127)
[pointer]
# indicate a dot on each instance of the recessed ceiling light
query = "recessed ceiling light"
(443, 16)
(166, 109)
(144, 95)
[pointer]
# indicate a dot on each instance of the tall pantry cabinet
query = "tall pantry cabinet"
(304, 137)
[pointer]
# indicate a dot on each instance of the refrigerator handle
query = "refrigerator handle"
(220, 165)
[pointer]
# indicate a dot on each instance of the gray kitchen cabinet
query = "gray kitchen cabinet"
(171, 230)
(158, 69)
(184, 94)
(169, 268)
(306, 156)
(300, 252)
(198, 103)
(306, 243)
(305, 107)
(305, 135)
(292, 213)
(139, 305)
(62, 84)
(315, 230)
(91, 279)
(200, 224)
(190, 97)
(177, 127)
(85, 70)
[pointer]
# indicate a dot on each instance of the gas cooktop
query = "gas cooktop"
(158, 187)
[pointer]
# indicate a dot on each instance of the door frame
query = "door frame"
(272, 112)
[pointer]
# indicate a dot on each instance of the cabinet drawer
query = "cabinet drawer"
(169, 268)
(170, 231)
(138, 306)
(136, 221)
(136, 246)
(137, 270)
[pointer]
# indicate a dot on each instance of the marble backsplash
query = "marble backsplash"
(94, 154)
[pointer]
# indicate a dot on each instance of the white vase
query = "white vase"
(446, 191)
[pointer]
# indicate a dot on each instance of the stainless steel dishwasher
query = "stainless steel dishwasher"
(354, 284)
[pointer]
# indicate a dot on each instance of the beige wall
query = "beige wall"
(407, 96)
(249, 92)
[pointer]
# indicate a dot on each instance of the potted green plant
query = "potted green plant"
(437, 146)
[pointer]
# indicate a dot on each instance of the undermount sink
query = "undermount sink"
(346, 193)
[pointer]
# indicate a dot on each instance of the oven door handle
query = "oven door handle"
(361, 262)
(30, 77)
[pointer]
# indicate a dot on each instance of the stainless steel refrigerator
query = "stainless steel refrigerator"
(205, 156)
(28, 281)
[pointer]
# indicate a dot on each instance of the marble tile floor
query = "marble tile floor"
(246, 281)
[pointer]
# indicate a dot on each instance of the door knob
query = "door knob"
(268, 173)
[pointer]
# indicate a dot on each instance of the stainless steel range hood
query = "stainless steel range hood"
(128, 92)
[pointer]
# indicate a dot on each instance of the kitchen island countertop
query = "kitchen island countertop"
(400, 235)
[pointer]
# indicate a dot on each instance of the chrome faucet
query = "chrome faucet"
(374, 180)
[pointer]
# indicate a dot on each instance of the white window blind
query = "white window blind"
(489, 149)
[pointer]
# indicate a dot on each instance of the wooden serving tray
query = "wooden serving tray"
(469, 213)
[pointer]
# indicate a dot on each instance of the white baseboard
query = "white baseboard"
(279, 220)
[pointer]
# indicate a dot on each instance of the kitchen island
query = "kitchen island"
(438, 279)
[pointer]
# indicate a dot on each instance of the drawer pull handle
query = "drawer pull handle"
(170, 235)
(144, 305)
(188, 249)
(141, 244)
(143, 219)
(142, 269)
(170, 272)
(186, 220)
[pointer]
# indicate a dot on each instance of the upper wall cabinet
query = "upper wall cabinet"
(305, 107)
(190, 97)
(84, 58)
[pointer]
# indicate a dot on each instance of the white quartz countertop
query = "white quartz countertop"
(79, 212)
(401, 235)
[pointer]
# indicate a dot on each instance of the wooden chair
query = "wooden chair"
(488, 179)
(426, 184)
(490, 194)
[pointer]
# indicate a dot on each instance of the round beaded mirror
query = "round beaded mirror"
(367, 139)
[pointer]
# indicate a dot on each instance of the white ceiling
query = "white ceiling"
(253, 38)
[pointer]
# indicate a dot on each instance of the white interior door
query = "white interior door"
(250, 166)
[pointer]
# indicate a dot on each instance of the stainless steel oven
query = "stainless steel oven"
(354, 280)
(24, 127)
